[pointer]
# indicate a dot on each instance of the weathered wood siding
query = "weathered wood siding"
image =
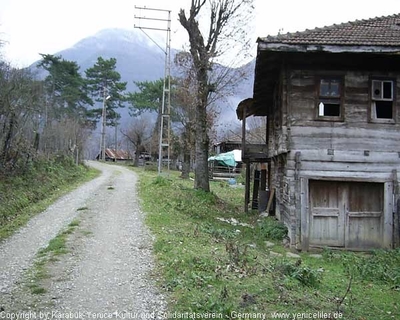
(354, 149)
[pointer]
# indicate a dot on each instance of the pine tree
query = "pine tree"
(104, 81)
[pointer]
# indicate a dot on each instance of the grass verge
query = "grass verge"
(28, 194)
(216, 259)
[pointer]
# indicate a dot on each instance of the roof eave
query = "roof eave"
(332, 48)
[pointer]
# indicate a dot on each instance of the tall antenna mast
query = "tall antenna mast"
(165, 120)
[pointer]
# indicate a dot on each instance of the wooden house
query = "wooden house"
(226, 146)
(331, 96)
(116, 155)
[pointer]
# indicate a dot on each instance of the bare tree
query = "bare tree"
(257, 130)
(20, 103)
(226, 26)
(185, 106)
(138, 134)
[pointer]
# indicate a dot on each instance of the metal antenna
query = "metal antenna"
(165, 125)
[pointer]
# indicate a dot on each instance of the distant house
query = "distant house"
(331, 96)
(226, 146)
(116, 155)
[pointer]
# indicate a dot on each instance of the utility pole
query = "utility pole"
(103, 127)
(165, 125)
(116, 135)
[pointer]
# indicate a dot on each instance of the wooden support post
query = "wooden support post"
(297, 201)
(263, 177)
(269, 176)
(247, 182)
(388, 216)
(247, 188)
(304, 215)
(244, 132)
(270, 199)
(396, 210)
(256, 184)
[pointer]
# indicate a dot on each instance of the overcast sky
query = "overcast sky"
(30, 27)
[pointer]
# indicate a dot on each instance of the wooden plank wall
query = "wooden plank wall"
(352, 148)
(349, 150)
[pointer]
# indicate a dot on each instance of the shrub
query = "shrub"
(272, 229)
(306, 275)
(380, 266)
(161, 181)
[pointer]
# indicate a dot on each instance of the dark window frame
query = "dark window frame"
(372, 114)
(329, 99)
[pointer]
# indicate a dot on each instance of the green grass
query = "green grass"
(37, 290)
(28, 194)
(208, 265)
(56, 247)
(74, 223)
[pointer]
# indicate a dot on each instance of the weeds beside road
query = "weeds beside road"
(29, 193)
(212, 266)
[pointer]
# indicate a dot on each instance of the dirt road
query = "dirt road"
(108, 268)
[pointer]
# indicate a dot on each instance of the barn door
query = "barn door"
(364, 215)
(346, 214)
(327, 213)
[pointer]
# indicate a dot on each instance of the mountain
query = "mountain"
(140, 59)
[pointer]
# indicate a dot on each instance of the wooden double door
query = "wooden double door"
(346, 214)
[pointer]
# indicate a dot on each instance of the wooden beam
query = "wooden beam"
(396, 210)
(256, 184)
(304, 215)
(247, 188)
(270, 199)
(263, 181)
(388, 216)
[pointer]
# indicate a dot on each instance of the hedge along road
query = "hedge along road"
(108, 267)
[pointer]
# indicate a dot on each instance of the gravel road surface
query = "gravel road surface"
(108, 269)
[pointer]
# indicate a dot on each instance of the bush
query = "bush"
(161, 181)
(295, 270)
(272, 229)
(45, 177)
(381, 266)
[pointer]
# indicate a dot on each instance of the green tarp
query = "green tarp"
(229, 158)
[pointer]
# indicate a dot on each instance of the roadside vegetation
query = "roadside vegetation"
(215, 258)
(24, 195)
(56, 247)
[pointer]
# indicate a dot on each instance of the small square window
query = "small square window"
(329, 99)
(382, 101)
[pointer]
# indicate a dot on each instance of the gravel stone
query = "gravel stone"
(109, 265)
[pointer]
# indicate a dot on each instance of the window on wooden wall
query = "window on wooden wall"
(330, 99)
(382, 100)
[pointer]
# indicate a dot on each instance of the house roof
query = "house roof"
(379, 31)
(359, 45)
(118, 154)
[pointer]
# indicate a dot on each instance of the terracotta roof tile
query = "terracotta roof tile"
(379, 31)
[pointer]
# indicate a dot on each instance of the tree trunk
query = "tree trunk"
(137, 155)
(185, 166)
(202, 143)
(8, 139)
(186, 157)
